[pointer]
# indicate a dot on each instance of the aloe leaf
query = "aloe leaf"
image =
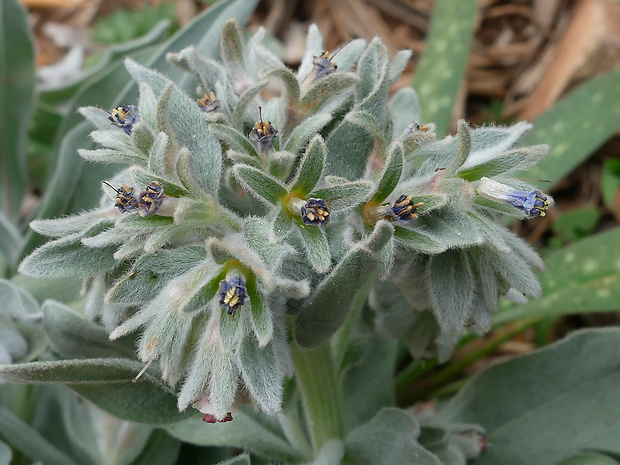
(16, 103)
(576, 126)
(580, 278)
(439, 74)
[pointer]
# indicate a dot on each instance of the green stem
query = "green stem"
(320, 390)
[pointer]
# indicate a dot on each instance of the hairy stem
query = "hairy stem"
(316, 376)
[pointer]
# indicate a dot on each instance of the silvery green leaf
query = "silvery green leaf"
(398, 65)
(116, 139)
(241, 158)
(143, 178)
(104, 239)
(464, 151)
(17, 303)
(490, 141)
(107, 383)
(137, 224)
(112, 156)
(98, 117)
(231, 48)
(523, 249)
(348, 54)
(256, 234)
(367, 122)
(452, 289)
(158, 155)
(506, 162)
(207, 70)
(391, 433)
(314, 47)
(331, 453)
(261, 374)
(247, 99)
(328, 94)
(74, 337)
(189, 129)
(147, 106)
(431, 202)
(492, 233)
(234, 139)
(162, 109)
(260, 185)
(67, 258)
(372, 69)
(246, 431)
(268, 57)
(391, 173)
(282, 224)
(311, 166)
(253, 62)
(29, 441)
(418, 240)
(142, 137)
(326, 308)
(353, 140)
(290, 86)
(13, 345)
(262, 323)
(452, 227)
(316, 247)
(344, 197)
(404, 109)
(302, 133)
(515, 270)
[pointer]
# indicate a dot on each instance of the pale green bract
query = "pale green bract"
(279, 203)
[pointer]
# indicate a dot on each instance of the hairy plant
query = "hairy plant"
(251, 214)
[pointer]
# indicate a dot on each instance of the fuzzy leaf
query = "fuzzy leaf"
(367, 122)
(158, 155)
(345, 196)
(143, 178)
(327, 306)
(282, 224)
(451, 284)
(317, 247)
(311, 166)
(331, 453)
(305, 130)
(506, 162)
(404, 109)
(328, 94)
(6, 455)
(259, 184)
(439, 73)
(540, 395)
(245, 432)
(72, 336)
(112, 156)
(67, 258)
(576, 126)
(416, 239)
(233, 139)
(247, 98)
(464, 148)
(398, 65)
(261, 374)
(106, 383)
(231, 48)
(391, 174)
(391, 433)
(262, 323)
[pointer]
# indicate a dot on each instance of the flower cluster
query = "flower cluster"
(262, 217)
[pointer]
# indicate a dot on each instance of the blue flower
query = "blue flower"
(124, 117)
(315, 212)
(232, 293)
(533, 203)
(403, 209)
